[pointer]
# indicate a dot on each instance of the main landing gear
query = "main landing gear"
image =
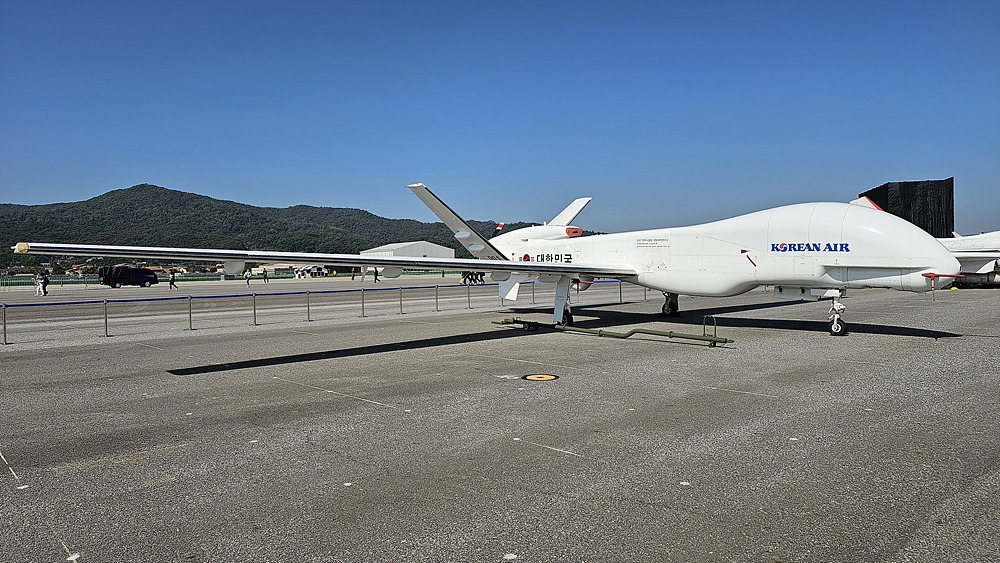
(837, 325)
(567, 318)
(670, 306)
(561, 313)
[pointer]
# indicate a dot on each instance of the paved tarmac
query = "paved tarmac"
(414, 437)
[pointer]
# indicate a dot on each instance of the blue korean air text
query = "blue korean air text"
(810, 247)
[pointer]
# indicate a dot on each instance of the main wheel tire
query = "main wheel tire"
(838, 327)
(146, 284)
(116, 285)
(567, 318)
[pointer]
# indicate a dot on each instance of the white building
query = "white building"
(420, 249)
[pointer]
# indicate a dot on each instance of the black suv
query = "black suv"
(117, 276)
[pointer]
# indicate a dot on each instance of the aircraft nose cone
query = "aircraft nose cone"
(940, 275)
(951, 268)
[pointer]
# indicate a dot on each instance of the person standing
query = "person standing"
(45, 284)
(38, 285)
(173, 278)
(265, 275)
(376, 274)
(247, 275)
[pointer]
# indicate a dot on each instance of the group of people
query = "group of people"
(473, 278)
(249, 274)
(468, 278)
(42, 281)
(41, 284)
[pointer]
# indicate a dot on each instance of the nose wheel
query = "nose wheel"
(837, 325)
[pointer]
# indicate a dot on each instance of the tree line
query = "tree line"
(148, 215)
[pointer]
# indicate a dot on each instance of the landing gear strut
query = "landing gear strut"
(837, 325)
(561, 314)
(670, 306)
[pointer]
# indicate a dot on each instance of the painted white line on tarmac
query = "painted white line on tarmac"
(299, 383)
(548, 447)
(16, 478)
(150, 346)
(863, 362)
(743, 392)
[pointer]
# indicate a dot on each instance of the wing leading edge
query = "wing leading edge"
(167, 253)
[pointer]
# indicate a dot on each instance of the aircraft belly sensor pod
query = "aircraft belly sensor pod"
(808, 250)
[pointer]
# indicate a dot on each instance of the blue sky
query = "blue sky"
(666, 113)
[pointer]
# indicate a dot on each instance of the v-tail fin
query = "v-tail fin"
(470, 239)
(566, 216)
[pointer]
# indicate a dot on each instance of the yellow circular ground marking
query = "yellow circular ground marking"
(540, 377)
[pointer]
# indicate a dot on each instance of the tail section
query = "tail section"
(865, 201)
(470, 239)
(558, 229)
(566, 216)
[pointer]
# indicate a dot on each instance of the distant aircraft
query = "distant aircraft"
(979, 256)
(804, 251)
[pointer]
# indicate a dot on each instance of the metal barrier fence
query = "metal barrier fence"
(292, 305)
(9, 283)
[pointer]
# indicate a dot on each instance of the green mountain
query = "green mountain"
(147, 215)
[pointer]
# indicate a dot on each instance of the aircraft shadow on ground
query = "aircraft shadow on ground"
(604, 316)
(349, 352)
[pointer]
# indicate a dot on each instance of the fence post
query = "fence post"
(362, 302)
(4, 324)
(254, 297)
(468, 295)
(532, 293)
(436, 308)
(308, 315)
(620, 299)
(190, 315)
(400, 300)
(106, 335)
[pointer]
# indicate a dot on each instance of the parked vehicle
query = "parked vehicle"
(117, 276)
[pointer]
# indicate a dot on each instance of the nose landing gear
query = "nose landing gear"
(837, 325)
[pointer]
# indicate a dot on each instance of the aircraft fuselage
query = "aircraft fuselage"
(812, 245)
